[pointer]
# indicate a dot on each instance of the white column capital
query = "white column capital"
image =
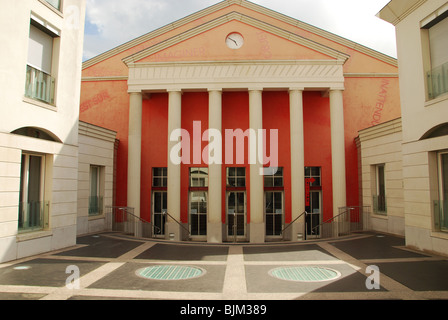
(255, 89)
(296, 89)
(175, 90)
(214, 90)
(336, 89)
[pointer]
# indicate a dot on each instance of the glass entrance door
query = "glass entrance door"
(274, 213)
(159, 210)
(313, 218)
(236, 216)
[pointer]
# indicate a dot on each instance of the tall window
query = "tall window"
(33, 210)
(274, 211)
(441, 212)
(437, 75)
(40, 85)
(313, 200)
(198, 201)
(95, 198)
(379, 197)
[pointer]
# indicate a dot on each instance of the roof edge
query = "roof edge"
(249, 5)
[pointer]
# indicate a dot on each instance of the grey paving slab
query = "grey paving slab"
(260, 281)
(20, 296)
(125, 278)
(376, 247)
(418, 275)
(43, 272)
(101, 247)
(185, 253)
(310, 252)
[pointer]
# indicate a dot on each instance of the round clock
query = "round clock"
(234, 40)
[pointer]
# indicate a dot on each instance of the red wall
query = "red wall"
(194, 108)
(235, 115)
(317, 131)
(276, 116)
(154, 145)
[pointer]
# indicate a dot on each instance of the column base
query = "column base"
(174, 232)
(257, 233)
(298, 231)
(214, 232)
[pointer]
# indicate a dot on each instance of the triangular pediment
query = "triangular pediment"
(262, 41)
(198, 37)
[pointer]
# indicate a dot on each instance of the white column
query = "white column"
(135, 151)
(257, 226)
(338, 150)
(214, 224)
(173, 230)
(297, 163)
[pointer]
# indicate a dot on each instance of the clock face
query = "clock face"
(234, 40)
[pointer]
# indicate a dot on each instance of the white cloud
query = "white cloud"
(114, 22)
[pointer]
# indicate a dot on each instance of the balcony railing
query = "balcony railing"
(438, 81)
(379, 205)
(33, 216)
(441, 215)
(39, 85)
(95, 206)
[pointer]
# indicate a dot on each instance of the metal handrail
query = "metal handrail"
(180, 224)
(303, 213)
(139, 218)
(333, 218)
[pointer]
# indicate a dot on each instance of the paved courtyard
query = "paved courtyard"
(109, 266)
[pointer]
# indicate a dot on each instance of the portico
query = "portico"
(255, 78)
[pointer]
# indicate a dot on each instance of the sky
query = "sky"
(110, 23)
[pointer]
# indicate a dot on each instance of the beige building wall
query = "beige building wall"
(57, 121)
(96, 148)
(420, 114)
(382, 145)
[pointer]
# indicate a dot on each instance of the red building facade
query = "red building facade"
(309, 90)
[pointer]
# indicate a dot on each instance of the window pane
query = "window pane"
(240, 199)
(269, 202)
(157, 202)
(315, 171)
(268, 181)
(278, 182)
(231, 182)
(279, 172)
(231, 172)
(241, 182)
(40, 50)
(231, 203)
(55, 3)
(278, 205)
(381, 181)
(94, 181)
(203, 225)
(439, 43)
(34, 179)
(241, 172)
(157, 182)
(157, 172)
(445, 176)
(307, 172)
